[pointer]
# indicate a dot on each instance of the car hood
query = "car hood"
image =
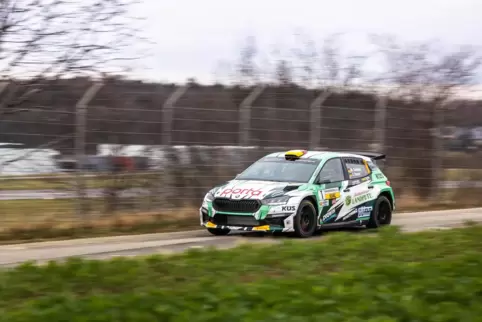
(251, 189)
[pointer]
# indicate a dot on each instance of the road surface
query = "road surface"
(98, 193)
(107, 247)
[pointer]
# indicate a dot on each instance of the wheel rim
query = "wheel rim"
(306, 220)
(383, 213)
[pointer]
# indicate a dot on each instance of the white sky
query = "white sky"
(192, 36)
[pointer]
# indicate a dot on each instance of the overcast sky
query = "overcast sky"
(191, 36)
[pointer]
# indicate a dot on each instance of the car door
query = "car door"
(358, 192)
(330, 184)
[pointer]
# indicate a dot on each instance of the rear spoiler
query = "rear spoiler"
(371, 155)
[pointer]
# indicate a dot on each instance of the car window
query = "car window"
(356, 168)
(332, 171)
(280, 170)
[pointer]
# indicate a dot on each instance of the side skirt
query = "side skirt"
(345, 224)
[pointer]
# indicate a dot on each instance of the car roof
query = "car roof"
(319, 155)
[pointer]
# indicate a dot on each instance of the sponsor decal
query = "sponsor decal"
(355, 182)
(328, 214)
(379, 176)
(360, 193)
(288, 208)
(247, 192)
(324, 203)
(332, 195)
(364, 212)
(362, 198)
(261, 228)
(365, 179)
(348, 200)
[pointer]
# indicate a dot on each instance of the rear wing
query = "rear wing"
(371, 155)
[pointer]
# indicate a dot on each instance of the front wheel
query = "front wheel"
(305, 220)
(381, 214)
(219, 232)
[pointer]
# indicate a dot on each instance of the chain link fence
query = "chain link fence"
(147, 149)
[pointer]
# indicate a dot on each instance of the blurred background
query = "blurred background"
(125, 111)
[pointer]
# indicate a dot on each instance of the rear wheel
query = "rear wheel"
(219, 232)
(381, 214)
(305, 220)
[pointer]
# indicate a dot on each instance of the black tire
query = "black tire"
(381, 214)
(305, 220)
(219, 232)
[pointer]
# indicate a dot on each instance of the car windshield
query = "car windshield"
(276, 169)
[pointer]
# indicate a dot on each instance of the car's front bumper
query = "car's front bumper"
(265, 228)
(245, 222)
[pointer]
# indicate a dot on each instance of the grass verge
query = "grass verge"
(429, 276)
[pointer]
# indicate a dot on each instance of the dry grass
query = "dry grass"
(68, 181)
(66, 225)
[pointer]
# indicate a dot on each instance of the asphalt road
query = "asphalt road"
(97, 193)
(107, 247)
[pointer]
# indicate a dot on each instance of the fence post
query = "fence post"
(437, 142)
(80, 137)
(245, 119)
(165, 175)
(168, 114)
(315, 118)
(3, 86)
(380, 124)
(245, 115)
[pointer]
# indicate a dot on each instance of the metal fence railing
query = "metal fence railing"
(188, 138)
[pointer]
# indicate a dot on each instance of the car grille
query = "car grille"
(224, 204)
(235, 220)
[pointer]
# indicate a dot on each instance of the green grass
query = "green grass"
(429, 276)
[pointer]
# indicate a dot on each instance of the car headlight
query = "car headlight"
(209, 196)
(276, 201)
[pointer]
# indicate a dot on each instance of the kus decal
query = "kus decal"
(288, 208)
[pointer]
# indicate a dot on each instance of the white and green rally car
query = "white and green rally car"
(300, 192)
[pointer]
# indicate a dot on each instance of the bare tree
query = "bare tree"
(426, 77)
(247, 69)
(338, 68)
(42, 41)
(425, 70)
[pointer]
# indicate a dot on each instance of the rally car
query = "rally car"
(300, 192)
